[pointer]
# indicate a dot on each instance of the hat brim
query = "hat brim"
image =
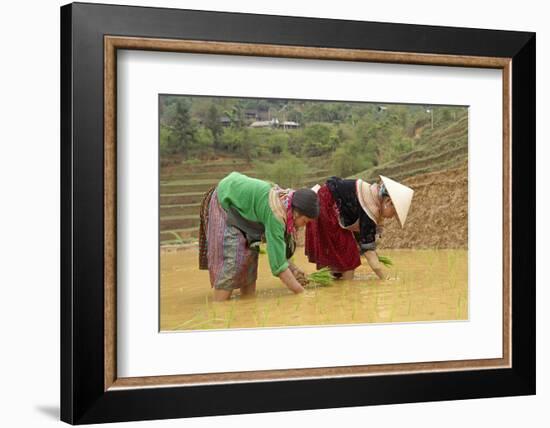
(401, 197)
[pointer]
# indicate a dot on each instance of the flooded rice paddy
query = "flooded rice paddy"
(426, 285)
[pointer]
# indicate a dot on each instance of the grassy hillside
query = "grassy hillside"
(397, 141)
(435, 150)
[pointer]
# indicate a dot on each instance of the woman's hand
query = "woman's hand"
(374, 263)
(290, 281)
(298, 273)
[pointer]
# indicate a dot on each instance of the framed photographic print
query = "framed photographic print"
(291, 213)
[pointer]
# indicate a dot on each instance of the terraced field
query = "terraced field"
(183, 185)
(436, 150)
(438, 172)
(436, 168)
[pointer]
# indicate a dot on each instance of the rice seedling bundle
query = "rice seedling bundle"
(323, 277)
(386, 261)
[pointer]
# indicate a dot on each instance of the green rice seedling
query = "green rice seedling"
(265, 315)
(257, 315)
(186, 323)
(394, 306)
(318, 306)
(322, 277)
(177, 238)
(230, 316)
(262, 250)
(386, 261)
(430, 257)
(207, 323)
(451, 259)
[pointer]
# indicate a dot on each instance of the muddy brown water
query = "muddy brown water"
(427, 285)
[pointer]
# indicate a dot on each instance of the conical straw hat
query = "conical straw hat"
(401, 197)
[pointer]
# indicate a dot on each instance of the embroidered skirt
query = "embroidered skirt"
(327, 243)
(231, 263)
(203, 227)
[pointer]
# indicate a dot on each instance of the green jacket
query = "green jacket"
(250, 197)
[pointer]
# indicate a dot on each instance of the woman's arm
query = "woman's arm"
(367, 244)
(374, 263)
(290, 281)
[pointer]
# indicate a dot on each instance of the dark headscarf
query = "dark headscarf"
(306, 202)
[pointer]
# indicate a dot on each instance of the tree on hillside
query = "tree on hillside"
(179, 129)
(294, 115)
(235, 115)
(354, 153)
(345, 162)
(203, 141)
(212, 122)
(317, 140)
(238, 142)
(278, 143)
(246, 145)
(286, 172)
